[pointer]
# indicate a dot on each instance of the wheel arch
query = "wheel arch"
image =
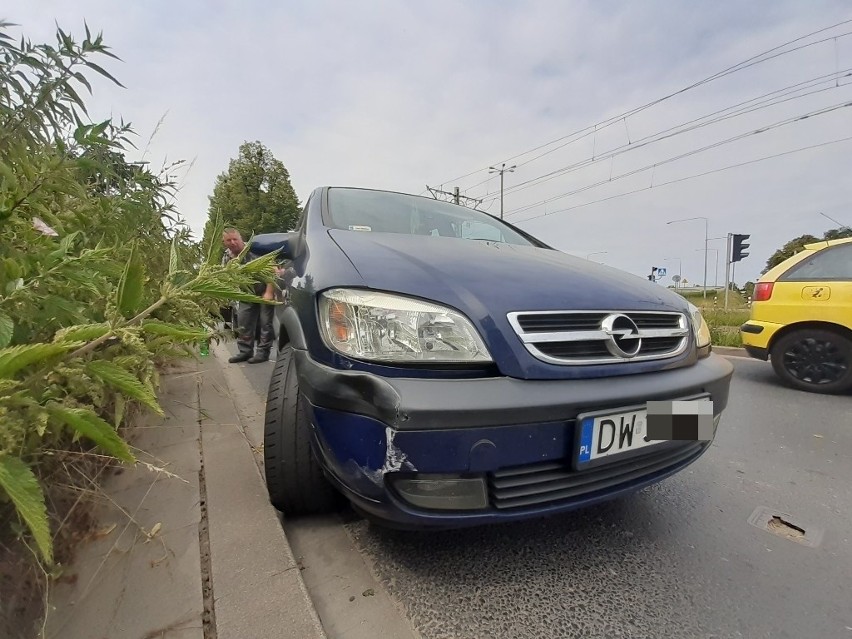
(809, 325)
(290, 329)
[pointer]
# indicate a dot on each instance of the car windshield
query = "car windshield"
(385, 212)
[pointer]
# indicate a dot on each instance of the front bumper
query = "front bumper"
(518, 435)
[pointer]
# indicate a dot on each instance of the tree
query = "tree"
(794, 246)
(254, 195)
(748, 289)
(836, 234)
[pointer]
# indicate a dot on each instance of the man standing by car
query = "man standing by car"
(256, 333)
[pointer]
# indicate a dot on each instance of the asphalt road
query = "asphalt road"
(679, 559)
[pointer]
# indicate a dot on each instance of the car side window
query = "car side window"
(832, 264)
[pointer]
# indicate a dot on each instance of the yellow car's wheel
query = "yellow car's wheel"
(814, 360)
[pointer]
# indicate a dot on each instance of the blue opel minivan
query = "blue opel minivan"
(440, 368)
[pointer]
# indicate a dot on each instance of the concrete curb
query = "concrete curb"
(730, 351)
(257, 585)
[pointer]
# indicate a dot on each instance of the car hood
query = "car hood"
(501, 277)
(488, 280)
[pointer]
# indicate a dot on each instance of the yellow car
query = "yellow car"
(801, 318)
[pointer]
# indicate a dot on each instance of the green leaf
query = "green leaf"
(263, 266)
(81, 333)
(82, 80)
(125, 382)
(19, 482)
(6, 329)
(181, 333)
(65, 245)
(86, 423)
(214, 246)
(130, 286)
(75, 98)
(8, 175)
(14, 358)
(98, 129)
(103, 71)
(12, 268)
(55, 307)
(174, 258)
(65, 39)
(120, 405)
(217, 291)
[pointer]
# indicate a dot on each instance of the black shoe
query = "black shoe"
(258, 359)
(239, 357)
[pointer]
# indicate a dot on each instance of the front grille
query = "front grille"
(565, 350)
(549, 322)
(552, 482)
(662, 345)
(601, 337)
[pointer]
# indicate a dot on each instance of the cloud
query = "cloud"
(401, 94)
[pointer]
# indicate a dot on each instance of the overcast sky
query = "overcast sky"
(401, 94)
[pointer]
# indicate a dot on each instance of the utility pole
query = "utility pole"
(501, 171)
(456, 198)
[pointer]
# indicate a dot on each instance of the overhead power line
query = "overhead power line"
(682, 156)
(781, 96)
(744, 64)
(683, 179)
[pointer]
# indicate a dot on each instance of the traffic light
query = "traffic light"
(739, 249)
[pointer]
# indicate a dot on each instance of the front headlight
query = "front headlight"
(699, 327)
(392, 328)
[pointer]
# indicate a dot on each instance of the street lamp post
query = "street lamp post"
(501, 171)
(716, 278)
(706, 240)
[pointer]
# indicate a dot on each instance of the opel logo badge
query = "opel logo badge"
(622, 336)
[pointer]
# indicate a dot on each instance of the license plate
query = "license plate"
(605, 434)
(614, 433)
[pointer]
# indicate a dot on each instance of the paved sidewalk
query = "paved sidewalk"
(191, 551)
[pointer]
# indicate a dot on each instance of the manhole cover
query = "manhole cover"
(785, 526)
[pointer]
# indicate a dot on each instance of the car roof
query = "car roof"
(775, 272)
(816, 246)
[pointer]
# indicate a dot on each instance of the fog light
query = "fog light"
(443, 494)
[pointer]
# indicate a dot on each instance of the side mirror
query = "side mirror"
(280, 243)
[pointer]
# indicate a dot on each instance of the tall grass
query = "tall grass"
(724, 324)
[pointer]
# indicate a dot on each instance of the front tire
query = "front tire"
(294, 479)
(814, 360)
